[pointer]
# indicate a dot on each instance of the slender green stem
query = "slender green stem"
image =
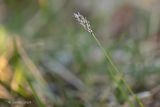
(108, 58)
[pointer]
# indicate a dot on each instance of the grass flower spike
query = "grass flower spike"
(83, 21)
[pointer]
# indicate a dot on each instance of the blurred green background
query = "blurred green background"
(48, 60)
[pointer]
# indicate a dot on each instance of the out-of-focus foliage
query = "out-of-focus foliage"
(48, 60)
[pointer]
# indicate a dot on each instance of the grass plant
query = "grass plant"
(113, 73)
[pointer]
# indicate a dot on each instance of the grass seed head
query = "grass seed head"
(83, 21)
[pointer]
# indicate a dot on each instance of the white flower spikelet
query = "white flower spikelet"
(83, 21)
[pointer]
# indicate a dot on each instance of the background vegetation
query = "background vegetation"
(48, 60)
